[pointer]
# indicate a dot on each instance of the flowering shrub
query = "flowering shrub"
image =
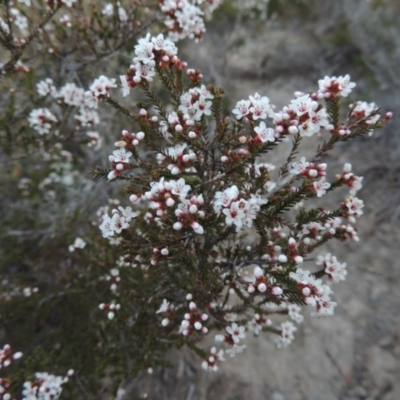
(215, 239)
(210, 240)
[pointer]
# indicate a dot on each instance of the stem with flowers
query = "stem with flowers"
(216, 239)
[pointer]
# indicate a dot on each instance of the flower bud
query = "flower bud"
(177, 226)
(193, 209)
(170, 202)
(262, 287)
(276, 291)
(198, 325)
(185, 323)
(140, 135)
(282, 258)
(175, 171)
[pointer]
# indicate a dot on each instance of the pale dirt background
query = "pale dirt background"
(355, 354)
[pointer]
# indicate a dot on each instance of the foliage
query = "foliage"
(213, 238)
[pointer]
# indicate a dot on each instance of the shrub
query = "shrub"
(215, 240)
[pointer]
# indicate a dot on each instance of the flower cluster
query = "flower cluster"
(177, 159)
(335, 270)
(100, 88)
(184, 18)
(45, 386)
(193, 321)
(119, 220)
(255, 108)
(150, 53)
(113, 278)
(7, 356)
(194, 104)
(314, 292)
(215, 356)
(110, 309)
(263, 285)
(69, 95)
(11, 291)
(287, 334)
(354, 182)
(40, 120)
(109, 10)
(237, 210)
(334, 87)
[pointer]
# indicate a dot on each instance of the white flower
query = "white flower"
(242, 109)
(235, 349)
(265, 134)
(120, 156)
(225, 198)
(236, 213)
(40, 120)
(254, 325)
(127, 213)
(321, 186)
(236, 332)
(178, 188)
(118, 223)
(165, 306)
(299, 167)
(145, 71)
(106, 227)
(325, 307)
(73, 95)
